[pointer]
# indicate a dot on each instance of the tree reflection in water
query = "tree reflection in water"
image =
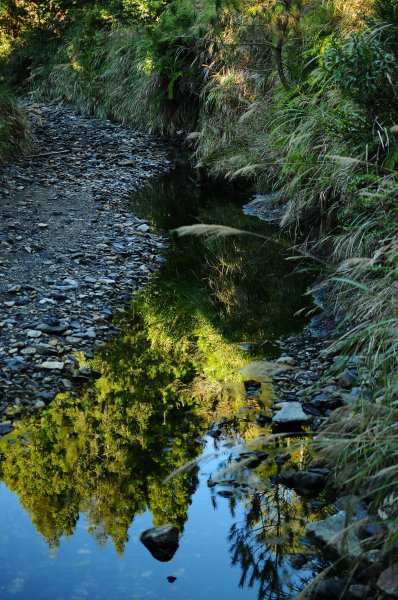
(105, 451)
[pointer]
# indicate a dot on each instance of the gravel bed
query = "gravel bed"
(71, 252)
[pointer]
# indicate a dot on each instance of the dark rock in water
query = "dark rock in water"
(313, 479)
(162, 541)
(328, 589)
(281, 459)
(171, 579)
(298, 560)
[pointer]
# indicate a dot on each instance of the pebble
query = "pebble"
(73, 253)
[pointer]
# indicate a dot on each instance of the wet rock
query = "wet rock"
(171, 578)
(262, 419)
(252, 459)
(338, 535)
(281, 459)
(290, 413)
(314, 479)
(162, 542)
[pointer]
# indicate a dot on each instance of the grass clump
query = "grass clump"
(14, 131)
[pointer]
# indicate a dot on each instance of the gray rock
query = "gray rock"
(346, 379)
(52, 365)
(287, 360)
(56, 329)
(323, 401)
(17, 364)
(162, 542)
(290, 413)
(328, 589)
(33, 333)
(144, 228)
(337, 535)
(358, 591)
(388, 581)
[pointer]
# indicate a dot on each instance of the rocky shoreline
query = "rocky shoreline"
(71, 255)
(322, 387)
(71, 252)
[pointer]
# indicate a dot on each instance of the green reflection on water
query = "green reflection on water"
(106, 450)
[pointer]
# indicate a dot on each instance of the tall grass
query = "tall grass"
(14, 131)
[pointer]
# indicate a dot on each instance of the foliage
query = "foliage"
(14, 132)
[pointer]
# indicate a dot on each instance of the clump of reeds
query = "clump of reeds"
(14, 130)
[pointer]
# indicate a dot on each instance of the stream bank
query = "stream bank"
(71, 253)
(168, 385)
(331, 384)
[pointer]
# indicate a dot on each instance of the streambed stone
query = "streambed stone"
(338, 534)
(75, 253)
(289, 413)
(52, 365)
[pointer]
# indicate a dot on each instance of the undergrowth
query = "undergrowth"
(14, 132)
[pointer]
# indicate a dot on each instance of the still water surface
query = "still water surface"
(83, 479)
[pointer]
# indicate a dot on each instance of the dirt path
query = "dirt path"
(70, 251)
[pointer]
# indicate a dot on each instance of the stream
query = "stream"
(176, 386)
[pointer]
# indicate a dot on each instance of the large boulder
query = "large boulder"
(162, 541)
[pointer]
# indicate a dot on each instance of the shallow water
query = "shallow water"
(84, 478)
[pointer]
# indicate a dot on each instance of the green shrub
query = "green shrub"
(14, 132)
